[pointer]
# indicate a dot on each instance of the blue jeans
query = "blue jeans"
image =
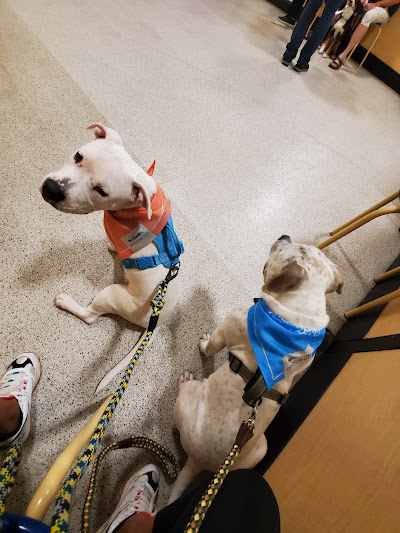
(319, 32)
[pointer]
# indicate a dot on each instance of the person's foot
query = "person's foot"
(298, 68)
(287, 21)
(138, 496)
(18, 382)
(285, 62)
(336, 63)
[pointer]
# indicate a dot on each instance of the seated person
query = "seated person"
(379, 12)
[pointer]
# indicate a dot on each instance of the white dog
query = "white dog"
(282, 330)
(102, 176)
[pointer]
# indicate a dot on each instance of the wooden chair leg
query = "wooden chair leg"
(318, 13)
(370, 48)
(377, 213)
(370, 305)
(373, 208)
(351, 53)
(388, 274)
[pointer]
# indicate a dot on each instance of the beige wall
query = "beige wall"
(387, 47)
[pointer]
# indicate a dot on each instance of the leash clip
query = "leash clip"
(173, 272)
(254, 413)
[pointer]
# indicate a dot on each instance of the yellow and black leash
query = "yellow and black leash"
(8, 474)
(245, 433)
(60, 520)
(167, 459)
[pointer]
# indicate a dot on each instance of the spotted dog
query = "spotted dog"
(278, 335)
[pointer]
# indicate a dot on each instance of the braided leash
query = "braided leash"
(132, 442)
(60, 520)
(8, 474)
(245, 433)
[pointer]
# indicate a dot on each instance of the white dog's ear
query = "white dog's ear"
(140, 195)
(337, 283)
(289, 279)
(103, 132)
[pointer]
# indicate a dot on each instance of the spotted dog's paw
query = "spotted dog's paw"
(205, 339)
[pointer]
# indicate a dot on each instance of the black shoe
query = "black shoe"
(287, 21)
(300, 69)
(285, 62)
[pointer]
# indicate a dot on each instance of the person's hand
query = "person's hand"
(368, 7)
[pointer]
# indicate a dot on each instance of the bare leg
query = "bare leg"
(358, 34)
(138, 523)
(10, 414)
(212, 344)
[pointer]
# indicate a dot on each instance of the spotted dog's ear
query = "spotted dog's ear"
(103, 132)
(290, 279)
(337, 283)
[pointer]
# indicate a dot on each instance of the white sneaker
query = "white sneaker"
(18, 382)
(138, 496)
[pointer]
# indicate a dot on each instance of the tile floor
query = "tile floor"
(246, 149)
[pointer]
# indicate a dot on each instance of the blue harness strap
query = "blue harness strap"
(169, 249)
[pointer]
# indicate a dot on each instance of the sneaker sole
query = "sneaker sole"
(286, 24)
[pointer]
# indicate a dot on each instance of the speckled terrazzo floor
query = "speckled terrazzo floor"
(246, 150)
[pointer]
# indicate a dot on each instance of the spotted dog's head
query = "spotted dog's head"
(293, 267)
(99, 176)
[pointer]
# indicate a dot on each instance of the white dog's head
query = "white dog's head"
(294, 267)
(99, 176)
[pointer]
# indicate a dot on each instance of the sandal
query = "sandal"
(336, 63)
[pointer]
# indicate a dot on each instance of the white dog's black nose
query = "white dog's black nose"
(285, 238)
(52, 191)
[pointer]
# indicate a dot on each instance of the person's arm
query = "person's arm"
(381, 3)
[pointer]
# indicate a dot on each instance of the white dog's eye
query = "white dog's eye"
(78, 157)
(101, 191)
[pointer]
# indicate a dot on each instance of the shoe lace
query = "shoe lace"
(16, 383)
(142, 498)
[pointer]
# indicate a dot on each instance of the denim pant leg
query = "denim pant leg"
(301, 28)
(319, 32)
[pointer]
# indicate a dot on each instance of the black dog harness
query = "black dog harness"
(256, 388)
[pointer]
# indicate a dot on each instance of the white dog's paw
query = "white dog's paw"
(65, 302)
(69, 304)
(185, 377)
(205, 339)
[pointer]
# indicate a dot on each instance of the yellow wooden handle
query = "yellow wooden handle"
(49, 487)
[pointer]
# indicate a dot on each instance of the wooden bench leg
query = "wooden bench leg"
(390, 198)
(388, 274)
(367, 218)
(375, 303)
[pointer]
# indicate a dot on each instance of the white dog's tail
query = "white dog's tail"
(124, 362)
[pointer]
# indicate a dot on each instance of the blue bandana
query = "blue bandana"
(279, 347)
